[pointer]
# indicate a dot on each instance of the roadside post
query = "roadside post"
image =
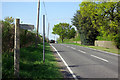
(0, 51)
(43, 38)
(17, 44)
(48, 33)
(16, 48)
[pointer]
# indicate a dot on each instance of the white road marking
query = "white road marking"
(82, 51)
(94, 49)
(72, 47)
(67, 46)
(65, 63)
(100, 58)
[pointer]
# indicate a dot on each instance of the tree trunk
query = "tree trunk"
(62, 40)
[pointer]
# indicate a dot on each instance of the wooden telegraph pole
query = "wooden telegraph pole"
(43, 38)
(36, 42)
(16, 48)
(0, 50)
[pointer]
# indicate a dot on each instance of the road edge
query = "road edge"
(68, 68)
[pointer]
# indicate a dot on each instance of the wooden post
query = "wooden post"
(36, 42)
(16, 48)
(0, 51)
(48, 32)
(43, 38)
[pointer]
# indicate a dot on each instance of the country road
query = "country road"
(87, 63)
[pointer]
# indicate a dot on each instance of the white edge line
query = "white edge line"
(65, 63)
(82, 51)
(100, 58)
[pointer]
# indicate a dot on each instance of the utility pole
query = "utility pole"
(43, 38)
(1, 50)
(36, 42)
(16, 48)
(48, 32)
(54, 37)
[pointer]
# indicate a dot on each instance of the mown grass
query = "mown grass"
(31, 64)
(99, 48)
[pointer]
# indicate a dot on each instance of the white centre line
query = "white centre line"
(72, 47)
(74, 76)
(82, 51)
(100, 58)
(68, 46)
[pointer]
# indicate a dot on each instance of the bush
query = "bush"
(26, 37)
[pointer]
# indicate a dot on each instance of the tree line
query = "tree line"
(95, 20)
(98, 19)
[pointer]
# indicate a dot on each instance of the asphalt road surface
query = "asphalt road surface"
(88, 63)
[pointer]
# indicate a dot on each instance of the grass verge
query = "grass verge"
(99, 48)
(31, 64)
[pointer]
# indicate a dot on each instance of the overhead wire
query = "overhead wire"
(46, 15)
(45, 10)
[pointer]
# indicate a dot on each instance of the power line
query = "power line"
(46, 18)
(45, 10)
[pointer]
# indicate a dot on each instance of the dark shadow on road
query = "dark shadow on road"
(61, 51)
(74, 66)
(83, 65)
(68, 75)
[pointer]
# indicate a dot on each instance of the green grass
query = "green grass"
(31, 64)
(99, 48)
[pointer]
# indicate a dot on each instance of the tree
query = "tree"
(26, 37)
(71, 33)
(113, 22)
(110, 23)
(64, 30)
(85, 22)
(7, 34)
(9, 20)
(98, 19)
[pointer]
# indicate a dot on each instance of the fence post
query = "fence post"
(16, 48)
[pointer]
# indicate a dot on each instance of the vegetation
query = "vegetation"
(26, 37)
(64, 30)
(87, 32)
(98, 19)
(31, 65)
(77, 38)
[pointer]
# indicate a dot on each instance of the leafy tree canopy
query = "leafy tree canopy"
(98, 19)
(64, 30)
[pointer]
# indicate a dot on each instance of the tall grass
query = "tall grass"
(31, 65)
